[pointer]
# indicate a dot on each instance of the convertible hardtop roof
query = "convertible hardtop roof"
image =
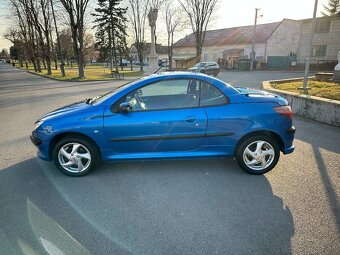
(180, 73)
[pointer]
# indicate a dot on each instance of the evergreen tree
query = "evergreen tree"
(333, 8)
(111, 29)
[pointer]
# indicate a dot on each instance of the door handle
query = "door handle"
(190, 119)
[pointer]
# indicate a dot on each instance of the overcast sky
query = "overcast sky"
(229, 13)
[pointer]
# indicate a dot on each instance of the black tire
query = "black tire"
(245, 158)
(78, 158)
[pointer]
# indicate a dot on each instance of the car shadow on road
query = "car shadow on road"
(35, 218)
(320, 140)
(180, 207)
(152, 207)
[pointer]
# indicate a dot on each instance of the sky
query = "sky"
(229, 13)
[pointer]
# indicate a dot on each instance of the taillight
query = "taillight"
(284, 110)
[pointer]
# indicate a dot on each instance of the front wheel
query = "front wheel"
(258, 154)
(74, 156)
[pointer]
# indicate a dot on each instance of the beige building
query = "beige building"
(326, 40)
(234, 44)
(277, 45)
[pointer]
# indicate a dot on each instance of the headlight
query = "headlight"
(38, 124)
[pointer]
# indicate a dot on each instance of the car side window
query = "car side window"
(165, 94)
(211, 96)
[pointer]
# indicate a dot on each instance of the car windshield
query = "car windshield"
(97, 99)
(200, 64)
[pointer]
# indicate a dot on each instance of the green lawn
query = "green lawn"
(92, 72)
(330, 90)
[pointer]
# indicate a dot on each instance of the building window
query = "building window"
(319, 50)
(205, 57)
(322, 26)
(214, 56)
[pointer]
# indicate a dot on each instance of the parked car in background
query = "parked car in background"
(124, 62)
(138, 63)
(169, 115)
(210, 68)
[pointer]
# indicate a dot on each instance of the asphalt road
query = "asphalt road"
(161, 207)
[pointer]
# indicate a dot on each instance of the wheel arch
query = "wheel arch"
(271, 134)
(60, 136)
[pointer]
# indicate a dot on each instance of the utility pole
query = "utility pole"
(252, 53)
(310, 48)
(62, 69)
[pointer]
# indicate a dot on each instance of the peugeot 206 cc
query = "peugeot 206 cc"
(168, 115)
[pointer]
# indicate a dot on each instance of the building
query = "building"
(326, 40)
(278, 45)
(234, 44)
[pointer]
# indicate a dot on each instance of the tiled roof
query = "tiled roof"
(233, 35)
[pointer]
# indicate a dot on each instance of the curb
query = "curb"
(316, 108)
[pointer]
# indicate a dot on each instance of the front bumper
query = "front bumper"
(35, 141)
(43, 147)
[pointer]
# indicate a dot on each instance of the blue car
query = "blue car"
(168, 115)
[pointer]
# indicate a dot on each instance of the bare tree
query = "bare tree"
(138, 11)
(76, 12)
(199, 13)
(62, 67)
(173, 20)
(42, 25)
(66, 45)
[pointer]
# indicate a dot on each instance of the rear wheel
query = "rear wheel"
(75, 156)
(258, 154)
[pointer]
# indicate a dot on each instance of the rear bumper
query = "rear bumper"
(288, 150)
(291, 131)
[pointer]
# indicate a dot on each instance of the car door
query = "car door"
(223, 122)
(165, 117)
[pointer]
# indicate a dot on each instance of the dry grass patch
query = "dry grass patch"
(92, 72)
(324, 89)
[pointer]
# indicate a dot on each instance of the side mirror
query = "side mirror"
(125, 107)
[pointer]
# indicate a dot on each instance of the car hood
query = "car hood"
(78, 106)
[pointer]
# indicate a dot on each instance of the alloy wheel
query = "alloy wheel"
(259, 155)
(74, 157)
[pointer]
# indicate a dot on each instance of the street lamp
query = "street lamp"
(310, 48)
(252, 53)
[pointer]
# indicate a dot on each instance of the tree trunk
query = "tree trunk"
(38, 66)
(78, 50)
(110, 50)
(53, 51)
(198, 49)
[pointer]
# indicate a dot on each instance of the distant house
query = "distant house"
(233, 44)
(162, 52)
(326, 40)
(277, 45)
